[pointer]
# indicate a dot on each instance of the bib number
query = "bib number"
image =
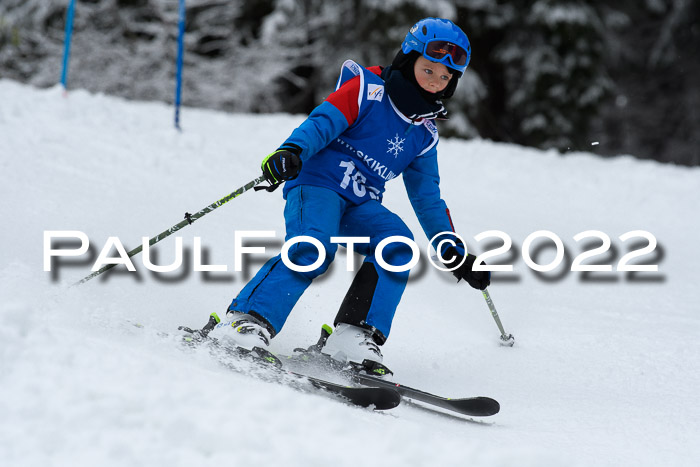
(358, 181)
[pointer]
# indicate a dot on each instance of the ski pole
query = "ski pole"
(189, 218)
(506, 339)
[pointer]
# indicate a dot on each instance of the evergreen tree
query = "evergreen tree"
(554, 79)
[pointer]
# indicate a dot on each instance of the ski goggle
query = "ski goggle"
(441, 51)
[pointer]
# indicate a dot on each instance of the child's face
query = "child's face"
(431, 76)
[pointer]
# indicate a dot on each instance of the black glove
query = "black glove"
(477, 279)
(280, 166)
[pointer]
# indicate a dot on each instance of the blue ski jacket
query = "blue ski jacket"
(357, 140)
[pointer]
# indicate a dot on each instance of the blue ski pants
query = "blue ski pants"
(322, 213)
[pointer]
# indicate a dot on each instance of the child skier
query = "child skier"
(376, 125)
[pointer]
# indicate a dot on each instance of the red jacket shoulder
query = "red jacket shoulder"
(345, 99)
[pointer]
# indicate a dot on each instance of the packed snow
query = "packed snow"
(603, 372)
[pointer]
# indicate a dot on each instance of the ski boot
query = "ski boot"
(355, 348)
(237, 332)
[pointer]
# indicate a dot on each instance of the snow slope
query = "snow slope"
(604, 371)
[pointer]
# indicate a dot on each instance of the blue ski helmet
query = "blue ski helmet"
(439, 40)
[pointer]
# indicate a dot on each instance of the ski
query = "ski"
(473, 406)
(379, 398)
(372, 374)
(364, 376)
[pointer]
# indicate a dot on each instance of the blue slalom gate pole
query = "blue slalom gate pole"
(178, 71)
(66, 45)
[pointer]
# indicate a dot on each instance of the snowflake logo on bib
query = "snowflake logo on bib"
(395, 145)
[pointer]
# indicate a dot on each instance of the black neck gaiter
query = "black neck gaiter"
(410, 98)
